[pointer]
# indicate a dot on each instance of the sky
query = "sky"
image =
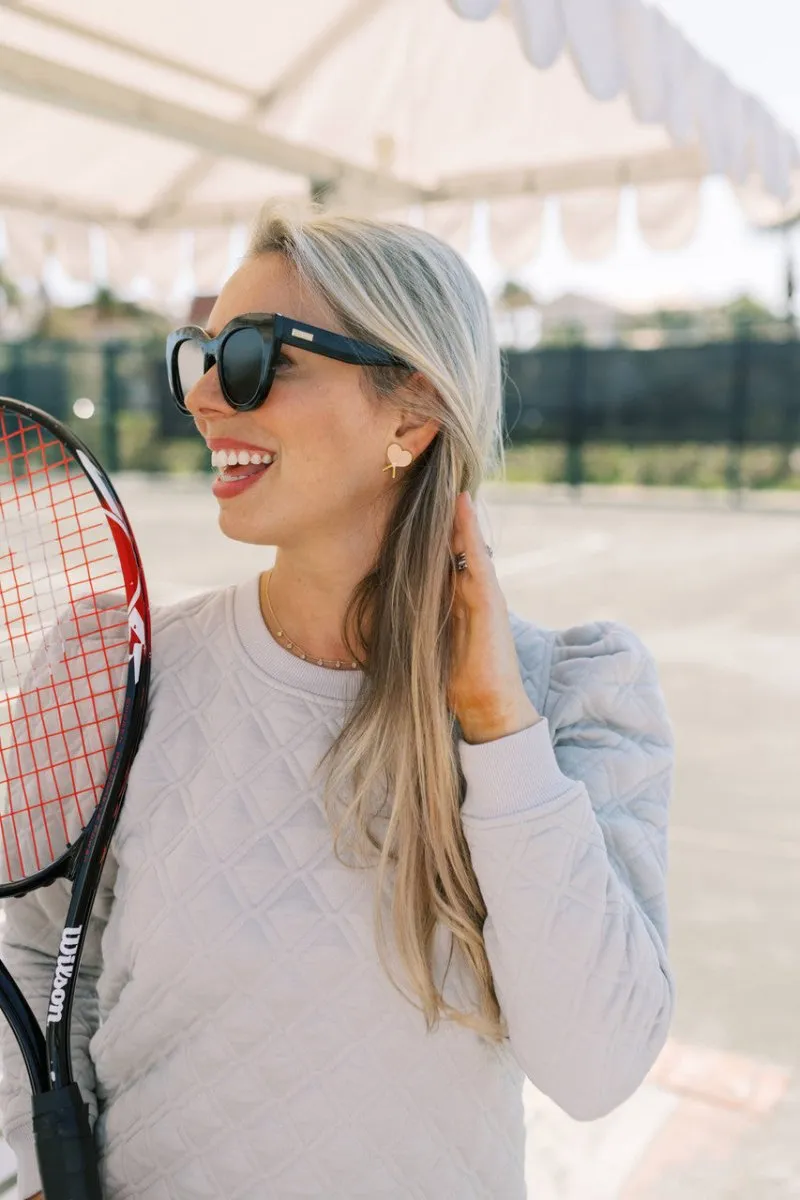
(757, 42)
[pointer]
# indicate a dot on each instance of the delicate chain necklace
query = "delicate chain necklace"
(293, 646)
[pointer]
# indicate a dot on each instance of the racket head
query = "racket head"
(74, 645)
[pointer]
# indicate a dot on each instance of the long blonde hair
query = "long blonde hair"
(401, 288)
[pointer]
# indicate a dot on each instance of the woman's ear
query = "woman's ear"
(417, 433)
(416, 436)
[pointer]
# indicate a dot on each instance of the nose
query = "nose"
(206, 396)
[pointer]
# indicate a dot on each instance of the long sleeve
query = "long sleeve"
(31, 933)
(567, 827)
(46, 763)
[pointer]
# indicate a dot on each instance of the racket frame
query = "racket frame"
(48, 1057)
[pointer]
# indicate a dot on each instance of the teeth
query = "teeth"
(238, 458)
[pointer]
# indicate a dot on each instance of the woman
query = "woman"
(386, 847)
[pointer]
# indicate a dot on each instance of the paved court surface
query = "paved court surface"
(714, 591)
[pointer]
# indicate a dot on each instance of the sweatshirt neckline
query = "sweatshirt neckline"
(279, 663)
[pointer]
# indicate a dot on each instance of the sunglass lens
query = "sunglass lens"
(191, 365)
(242, 357)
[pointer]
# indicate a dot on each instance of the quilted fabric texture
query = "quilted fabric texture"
(234, 1029)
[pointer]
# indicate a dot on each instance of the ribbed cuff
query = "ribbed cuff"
(512, 774)
(20, 1140)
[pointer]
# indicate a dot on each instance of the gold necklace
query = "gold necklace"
(336, 664)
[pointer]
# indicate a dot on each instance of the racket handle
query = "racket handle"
(65, 1145)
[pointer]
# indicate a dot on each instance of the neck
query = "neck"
(308, 611)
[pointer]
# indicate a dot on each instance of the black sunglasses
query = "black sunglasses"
(246, 352)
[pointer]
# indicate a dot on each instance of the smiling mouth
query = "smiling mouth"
(234, 465)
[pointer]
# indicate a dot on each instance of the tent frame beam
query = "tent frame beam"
(77, 29)
(542, 181)
(660, 166)
(18, 200)
(293, 78)
(48, 82)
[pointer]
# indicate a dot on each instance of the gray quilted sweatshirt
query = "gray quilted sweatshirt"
(235, 1034)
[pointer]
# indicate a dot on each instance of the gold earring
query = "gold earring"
(398, 457)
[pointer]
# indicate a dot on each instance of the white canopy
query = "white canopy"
(160, 115)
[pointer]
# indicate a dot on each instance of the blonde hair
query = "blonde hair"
(403, 289)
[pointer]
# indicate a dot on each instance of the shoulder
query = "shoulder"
(186, 624)
(599, 672)
(609, 727)
(190, 610)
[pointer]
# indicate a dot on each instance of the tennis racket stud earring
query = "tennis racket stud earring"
(398, 457)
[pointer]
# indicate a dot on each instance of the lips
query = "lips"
(234, 444)
(235, 480)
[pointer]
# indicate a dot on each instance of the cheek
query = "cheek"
(323, 429)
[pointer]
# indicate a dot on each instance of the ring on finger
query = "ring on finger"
(461, 559)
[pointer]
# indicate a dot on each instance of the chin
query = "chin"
(244, 527)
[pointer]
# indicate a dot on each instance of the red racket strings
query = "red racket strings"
(63, 648)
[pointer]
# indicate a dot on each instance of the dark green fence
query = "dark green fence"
(738, 394)
(741, 394)
(134, 425)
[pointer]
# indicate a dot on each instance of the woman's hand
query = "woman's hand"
(485, 688)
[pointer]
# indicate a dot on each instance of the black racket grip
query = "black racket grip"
(65, 1146)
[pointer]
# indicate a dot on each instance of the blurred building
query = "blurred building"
(522, 322)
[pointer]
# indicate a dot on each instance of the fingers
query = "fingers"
(468, 537)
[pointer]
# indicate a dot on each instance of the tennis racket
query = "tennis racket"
(74, 672)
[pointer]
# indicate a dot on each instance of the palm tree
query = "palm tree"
(513, 299)
(10, 294)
